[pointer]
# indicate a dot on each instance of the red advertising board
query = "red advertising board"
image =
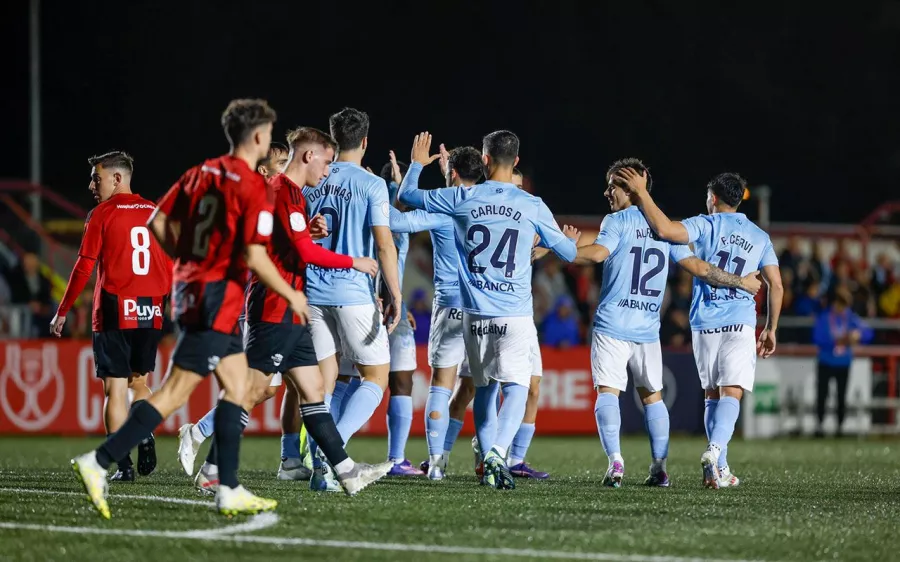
(50, 387)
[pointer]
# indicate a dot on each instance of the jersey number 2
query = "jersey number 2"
(638, 281)
(140, 257)
(207, 211)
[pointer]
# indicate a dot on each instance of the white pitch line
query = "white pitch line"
(265, 520)
(256, 523)
(162, 499)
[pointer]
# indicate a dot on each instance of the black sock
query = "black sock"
(320, 426)
(124, 463)
(229, 424)
(212, 456)
(140, 424)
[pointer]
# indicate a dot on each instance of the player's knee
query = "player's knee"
(401, 384)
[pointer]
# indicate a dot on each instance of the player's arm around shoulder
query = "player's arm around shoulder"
(716, 277)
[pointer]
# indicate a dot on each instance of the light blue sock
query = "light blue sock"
(290, 445)
(313, 447)
(436, 429)
(399, 420)
(727, 413)
(340, 391)
(515, 396)
(709, 416)
(453, 430)
(352, 387)
(609, 422)
(206, 423)
(656, 420)
(521, 442)
(359, 408)
(485, 411)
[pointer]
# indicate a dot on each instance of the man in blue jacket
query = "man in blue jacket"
(836, 331)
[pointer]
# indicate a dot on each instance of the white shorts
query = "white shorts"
(726, 356)
(355, 331)
(538, 367)
(403, 348)
(445, 340)
(502, 349)
(612, 358)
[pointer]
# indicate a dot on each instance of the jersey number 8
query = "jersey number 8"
(140, 257)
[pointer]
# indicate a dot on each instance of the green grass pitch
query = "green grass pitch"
(799, 500)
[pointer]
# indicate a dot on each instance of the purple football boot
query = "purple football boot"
(405, 468)
(523, 470)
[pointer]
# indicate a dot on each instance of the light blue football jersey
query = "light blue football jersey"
(494, 225)
(352, 200)
(634, 277)
(733, 243)
(443, 242)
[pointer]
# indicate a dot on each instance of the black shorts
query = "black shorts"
(278, 348)
(119, 353)
(200, 351)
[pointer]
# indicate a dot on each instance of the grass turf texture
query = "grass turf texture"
(799, 500)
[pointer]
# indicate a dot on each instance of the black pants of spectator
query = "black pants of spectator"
(824, 375)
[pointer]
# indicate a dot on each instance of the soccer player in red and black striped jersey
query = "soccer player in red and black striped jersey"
(215, 221)
(276, 340)
(133, 277)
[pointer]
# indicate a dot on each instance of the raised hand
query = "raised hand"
(444, 162)
(421, 150)
(396, 176)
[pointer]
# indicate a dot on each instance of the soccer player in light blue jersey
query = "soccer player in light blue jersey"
(495, 285)
(446, 351)
(723, 321)
(626, 324)
(344, 317)
(402, 340)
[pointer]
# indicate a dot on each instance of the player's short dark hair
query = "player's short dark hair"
(302, 136)
(633, 163)
(349, 127)
(242, 117)
(276, 146)
(115, 159)
(728, 187)
(386, 171)
(502, 147)
(466, 160)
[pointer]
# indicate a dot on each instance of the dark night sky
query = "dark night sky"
(805, 101)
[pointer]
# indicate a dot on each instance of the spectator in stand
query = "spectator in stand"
(560, 328)
(791, 257)
(421, 311)
(836, 332)
(819, 268)
(883, 275)
(863, 296)
(810, 302)
(842, 276)
(587, 291)
(549, 284)
(29, 287)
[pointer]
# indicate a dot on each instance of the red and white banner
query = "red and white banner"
(50, 387)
